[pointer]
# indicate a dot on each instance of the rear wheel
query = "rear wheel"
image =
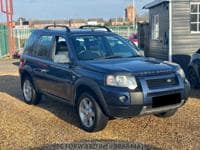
(166, 114)
(91, 117)
(193, 78)
(31, 96)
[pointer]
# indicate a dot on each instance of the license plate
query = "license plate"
(166, 100)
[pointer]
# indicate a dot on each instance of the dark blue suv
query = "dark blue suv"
(101, 74)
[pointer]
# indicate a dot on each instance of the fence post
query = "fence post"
(128, 31)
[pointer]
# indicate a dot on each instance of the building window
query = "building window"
(155, 27)
(195, 17)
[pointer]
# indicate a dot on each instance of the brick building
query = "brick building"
(130, 14)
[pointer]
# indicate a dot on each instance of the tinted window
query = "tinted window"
(43, 47)
(102, 47)
(28, 48)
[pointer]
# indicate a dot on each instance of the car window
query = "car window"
(28, 48)
(61, 52)
(198, 52)
(133, 44)
(88, 47)
(102, 47)
(118, 47)
(43, 47)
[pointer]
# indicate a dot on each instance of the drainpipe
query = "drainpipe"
(170, 30)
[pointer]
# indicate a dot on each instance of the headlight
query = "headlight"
(181, 73)
(121, 81)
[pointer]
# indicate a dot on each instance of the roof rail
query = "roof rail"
(60, 26)
(95, 26)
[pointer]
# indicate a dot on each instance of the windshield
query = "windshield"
(102, 47)
(133, 45)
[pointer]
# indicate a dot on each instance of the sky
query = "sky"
(66, 9)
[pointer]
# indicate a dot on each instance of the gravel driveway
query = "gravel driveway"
(53, 125)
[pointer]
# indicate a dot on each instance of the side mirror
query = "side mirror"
(141, 52)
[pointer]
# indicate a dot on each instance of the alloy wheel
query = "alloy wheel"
(27, 90)
(86, 112)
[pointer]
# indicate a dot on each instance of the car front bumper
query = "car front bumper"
(140, 102)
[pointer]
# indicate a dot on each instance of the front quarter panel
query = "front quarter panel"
(93, 84)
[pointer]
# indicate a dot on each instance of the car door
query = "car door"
(197, 61)
(41, 61)
(60, 74)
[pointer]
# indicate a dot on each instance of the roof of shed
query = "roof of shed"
(154, 3)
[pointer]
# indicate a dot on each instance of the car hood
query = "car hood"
(138, 66)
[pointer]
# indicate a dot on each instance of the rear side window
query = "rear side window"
(28, 48)
(43, 47)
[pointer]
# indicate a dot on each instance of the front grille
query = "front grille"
(166, 100)
(162, 83)
(153, 73)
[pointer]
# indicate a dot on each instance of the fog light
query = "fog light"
(123, 99)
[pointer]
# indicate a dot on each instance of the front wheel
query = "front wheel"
(166, 114)
(91, 117)
(31, 96)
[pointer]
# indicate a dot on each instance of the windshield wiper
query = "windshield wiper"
(134, 56)
(112, 56)
(116, 56)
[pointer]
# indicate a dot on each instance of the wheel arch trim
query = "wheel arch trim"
(94, 88)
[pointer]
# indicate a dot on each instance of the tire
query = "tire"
(89, 109)
(30, 94)
(193, 78)
(166, 114)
